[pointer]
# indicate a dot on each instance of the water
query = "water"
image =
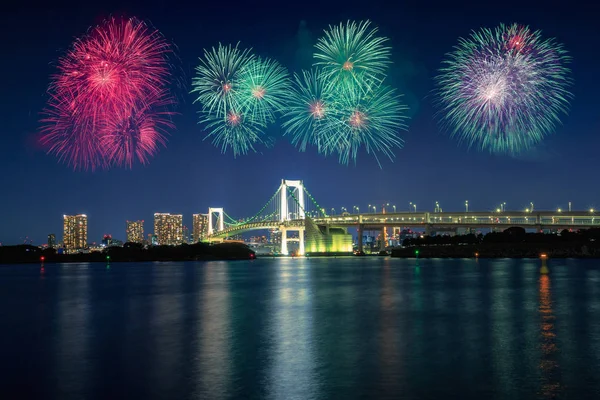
(341, 328)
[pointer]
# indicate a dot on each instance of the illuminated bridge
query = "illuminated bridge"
(287, 211)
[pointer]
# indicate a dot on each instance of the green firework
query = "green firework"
(310, 111)
(236, 132)
(371, 119)
(217, 78)
(352, 53)
(264, 85)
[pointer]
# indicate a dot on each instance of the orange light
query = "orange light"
(476, 254)
(543, 256)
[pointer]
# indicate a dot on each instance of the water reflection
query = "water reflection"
(291, 374)
(73, 336)
(167, 328)
(318, 328)
(389, 350)
(215, 333)
(550, 386)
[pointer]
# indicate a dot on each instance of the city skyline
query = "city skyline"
(431, 167)
(200, 221)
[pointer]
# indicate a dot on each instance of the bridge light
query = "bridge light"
(591, 210)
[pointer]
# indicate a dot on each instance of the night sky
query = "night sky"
(191, 174)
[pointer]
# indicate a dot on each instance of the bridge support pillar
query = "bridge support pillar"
(284, 247)
(301, 244)
(359, 234)
(428, 229)
(382, 243)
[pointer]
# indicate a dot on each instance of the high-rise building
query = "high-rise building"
(52, 240)
(199, 227)
(75, 232)
(135, 231)
(168, 228)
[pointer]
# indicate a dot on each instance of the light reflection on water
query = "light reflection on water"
(303, 329)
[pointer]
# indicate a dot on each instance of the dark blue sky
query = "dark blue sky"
(190, 174)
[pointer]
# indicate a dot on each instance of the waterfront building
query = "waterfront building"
(51, 240)
(168, 228)
(135, 231)
(75, 232)
(199, 227)
(106, 240)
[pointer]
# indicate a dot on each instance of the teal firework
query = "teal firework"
(263, 88)
(352, 53)
(236, 132)
(217, 80)
(371, 119)
(311, 110)
(504, 90)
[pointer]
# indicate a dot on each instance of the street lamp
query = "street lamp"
(374, 209)
(410, 206)
(437, 207)
(415, 206)
(467, 206)
(569, 206)
(332, 211)
(394, 209)
(531, 206)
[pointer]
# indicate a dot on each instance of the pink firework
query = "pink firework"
(136, 133)
(114, 77)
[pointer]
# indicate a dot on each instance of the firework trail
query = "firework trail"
(119, 69)
(504, 90)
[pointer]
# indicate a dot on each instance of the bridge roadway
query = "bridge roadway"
(433, 221)
(451, 220)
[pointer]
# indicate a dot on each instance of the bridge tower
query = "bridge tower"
(298, 193)
(284, 214)
(220, 221)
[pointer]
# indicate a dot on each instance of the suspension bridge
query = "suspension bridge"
(292, 209)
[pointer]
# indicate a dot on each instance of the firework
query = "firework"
(352, 53)
(236, 132)
(136, 134)
(504, 90)
(310, 110)
(218, 78)
(71, 135)
(118, 68)
(371, 119)
(264, 84)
